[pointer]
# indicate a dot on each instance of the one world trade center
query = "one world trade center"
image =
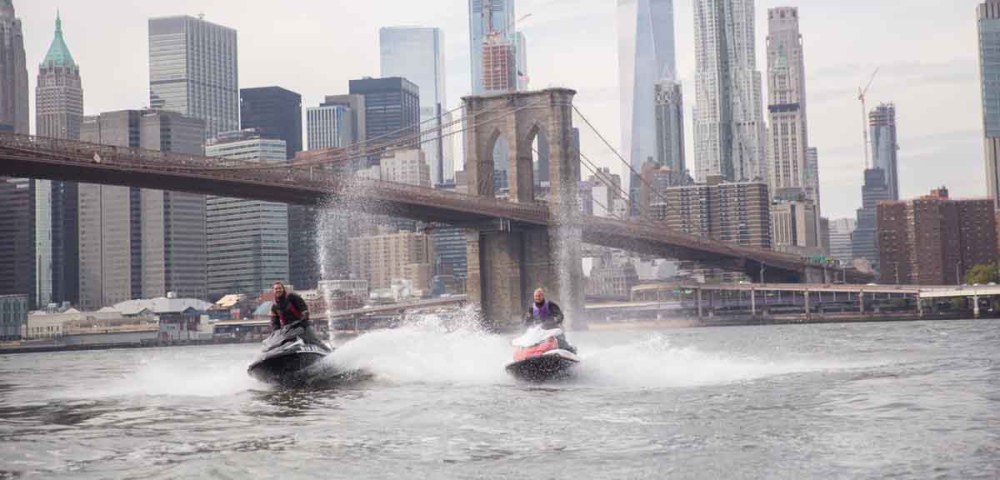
(651, 107)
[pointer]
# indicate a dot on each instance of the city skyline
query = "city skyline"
(935, 84)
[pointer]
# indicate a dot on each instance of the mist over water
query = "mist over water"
(339, 218)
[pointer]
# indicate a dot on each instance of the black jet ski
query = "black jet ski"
(538, 357)
(287, 356)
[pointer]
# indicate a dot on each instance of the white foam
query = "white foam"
(456, 352)
(429, 350)
(175, 373)
(654, 363)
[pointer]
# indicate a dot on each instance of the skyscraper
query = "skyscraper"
(882, 121)
(670, 127)
(192, 70)
(328, 126)
(275, 113)
(498, 18)
(812, 175)
(864, 241)
(499, 66)
(841, 231)
(392, 110)
(646, 69)
(499, 62)
(417, 54)
(59, 96)
(13, 71)
(521, 45)
(173, 223)
(728, 120)
(786, 106)
(338, 122)
(58, 114)
(247, 239)
(795, 227)
(989, 77)
(107, 255)
(17, 196)
(140, 242)
(792, 179)
(17, 245)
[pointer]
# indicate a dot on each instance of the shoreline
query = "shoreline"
(769, 321)
(597, 326)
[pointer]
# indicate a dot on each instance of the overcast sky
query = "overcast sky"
(926, 50)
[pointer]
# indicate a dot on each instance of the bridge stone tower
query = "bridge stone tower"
(508, 261)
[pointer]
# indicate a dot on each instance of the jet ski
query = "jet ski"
(538, 356)
(287, 356)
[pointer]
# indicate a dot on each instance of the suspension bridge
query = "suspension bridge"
(518, 235)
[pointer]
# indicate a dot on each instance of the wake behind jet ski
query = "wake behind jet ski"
(542, 353)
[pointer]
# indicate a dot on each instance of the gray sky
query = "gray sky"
(926, 50)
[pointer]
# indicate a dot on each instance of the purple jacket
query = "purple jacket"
(548, 314)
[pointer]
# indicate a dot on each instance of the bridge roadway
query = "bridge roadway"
(309, 184)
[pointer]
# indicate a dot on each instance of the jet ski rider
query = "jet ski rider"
(288, 308)
(549, 315)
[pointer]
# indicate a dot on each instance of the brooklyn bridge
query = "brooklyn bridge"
(514, 243)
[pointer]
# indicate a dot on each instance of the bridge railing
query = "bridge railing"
(222, 168)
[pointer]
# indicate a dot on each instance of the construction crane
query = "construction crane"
(862, 93)
(499, 74)
(487, 15)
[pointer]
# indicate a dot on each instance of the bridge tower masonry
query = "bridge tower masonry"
(507, 261)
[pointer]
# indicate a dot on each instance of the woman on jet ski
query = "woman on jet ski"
(288, 308)
(549, 315)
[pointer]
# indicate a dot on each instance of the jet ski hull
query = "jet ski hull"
(552, 365)
(288, 368)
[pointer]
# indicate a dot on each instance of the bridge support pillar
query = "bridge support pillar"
(808, 305)
(697, 292)
(507, 264)
(506, 267)
(975, 306)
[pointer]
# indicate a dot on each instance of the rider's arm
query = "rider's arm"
(557, 315)
(529, 318)
(300, 304)
(275, 319)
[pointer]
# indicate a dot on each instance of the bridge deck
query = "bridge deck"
(54, 159)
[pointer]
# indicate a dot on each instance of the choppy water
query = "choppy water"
(904, 400)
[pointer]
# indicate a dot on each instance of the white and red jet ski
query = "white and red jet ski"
(538, 357)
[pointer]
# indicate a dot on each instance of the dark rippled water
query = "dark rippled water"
(876, 400)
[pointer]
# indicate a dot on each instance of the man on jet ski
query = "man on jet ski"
(549, 315)
(288, 308)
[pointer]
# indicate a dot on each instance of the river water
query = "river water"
(872, 400)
